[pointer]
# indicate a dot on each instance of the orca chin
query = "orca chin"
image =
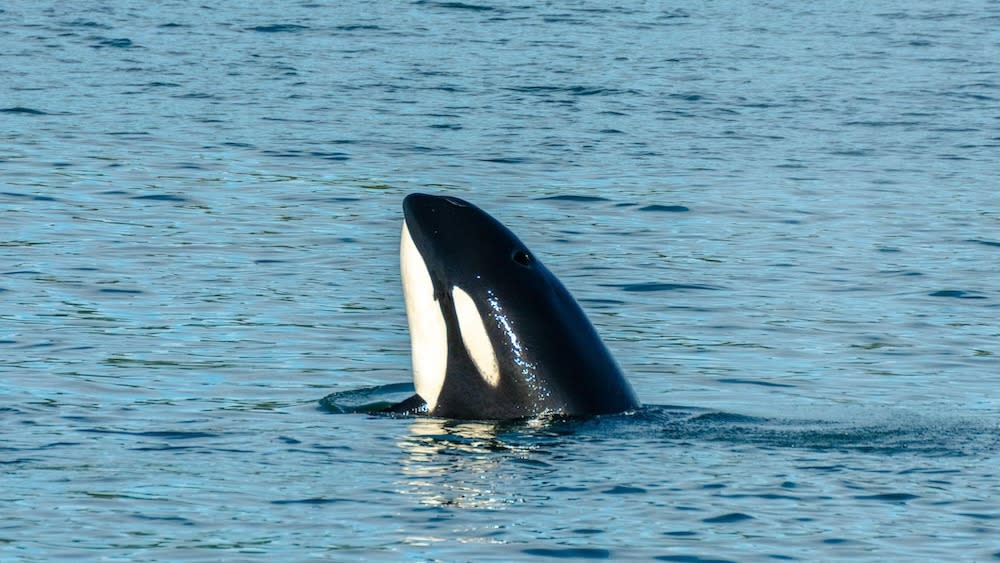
(494, 334)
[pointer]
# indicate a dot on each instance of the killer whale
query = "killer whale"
(494, 334)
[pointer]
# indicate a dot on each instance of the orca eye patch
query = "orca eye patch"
(522, 257)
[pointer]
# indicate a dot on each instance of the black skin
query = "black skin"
(551, 359)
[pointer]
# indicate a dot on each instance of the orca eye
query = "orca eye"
(522, 257)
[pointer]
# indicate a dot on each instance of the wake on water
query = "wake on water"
(888, 432)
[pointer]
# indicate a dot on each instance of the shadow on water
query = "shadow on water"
(882, 432)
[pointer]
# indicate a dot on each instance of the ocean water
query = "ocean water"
(782, 218)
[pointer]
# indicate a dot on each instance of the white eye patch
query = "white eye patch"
(428, 332)
(474, 336)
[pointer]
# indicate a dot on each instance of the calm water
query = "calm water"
(784, 220)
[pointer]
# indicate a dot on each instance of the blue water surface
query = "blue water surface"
(783, 218)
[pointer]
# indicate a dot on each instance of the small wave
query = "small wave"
(571, 197)
(656, 286)
(957, 294)
(278, 28)
(985, 242)
(569, 552)
(161, 197)
(666, 208)
(116, 43)
(23, 111)
(464, 6)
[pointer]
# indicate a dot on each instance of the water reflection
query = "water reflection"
(465, 464)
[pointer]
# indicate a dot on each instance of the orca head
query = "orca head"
(494, 334)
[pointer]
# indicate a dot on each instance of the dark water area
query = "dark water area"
(783, 220)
